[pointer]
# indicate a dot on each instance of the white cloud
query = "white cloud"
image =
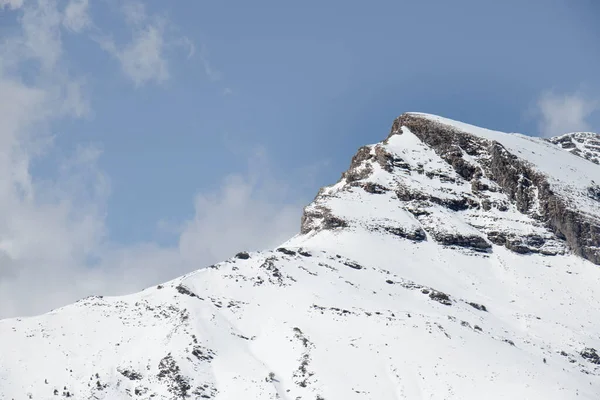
(564, 113)
(54, 243)
(76, 17)
(186, 43)
(134, 12)
(242, 215)
(11, 4)
(44, 261)
(144, 58)
(40, 40)
(211, 73)
(47, 226)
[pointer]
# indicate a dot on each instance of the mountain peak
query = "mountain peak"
(430, 166)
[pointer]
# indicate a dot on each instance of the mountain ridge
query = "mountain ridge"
(449, 262)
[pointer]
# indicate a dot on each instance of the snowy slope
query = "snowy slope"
(416, 276)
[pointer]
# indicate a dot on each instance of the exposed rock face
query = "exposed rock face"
(473, 175)
(582, 144)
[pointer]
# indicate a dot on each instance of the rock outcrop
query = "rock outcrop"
(582, 144)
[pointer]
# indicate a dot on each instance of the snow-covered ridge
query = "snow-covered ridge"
(449, 262)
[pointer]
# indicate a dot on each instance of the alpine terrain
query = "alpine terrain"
(449, 262)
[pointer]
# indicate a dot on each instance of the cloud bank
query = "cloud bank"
(564, 113)
(55, 246)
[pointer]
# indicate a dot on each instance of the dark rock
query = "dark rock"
(473, 242)
(418, 235)
(242, 255)
(387, 161)
(286, 251)
(328, 221)
(522, 244)
(170, 373)
(355, 173)
(594, 192)
(203, 354)
(374, 188)
(276, 277)
(459, 204)
(353, 265)
(183, 290)
(440, 297)
(331, 222)
(591, 355)
(129, 374)
(453, 203)
(479, 307)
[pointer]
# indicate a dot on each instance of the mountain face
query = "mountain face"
(449, 262)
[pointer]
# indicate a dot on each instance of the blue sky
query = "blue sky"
(142, 140)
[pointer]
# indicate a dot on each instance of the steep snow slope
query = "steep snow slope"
(425, 273)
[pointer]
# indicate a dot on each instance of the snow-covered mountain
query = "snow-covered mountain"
(449, 262)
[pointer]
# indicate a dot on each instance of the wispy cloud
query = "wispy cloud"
(147, 56)
(11, 4)
(187, 44)
(564, 113)
(212, 73)
(249, 211)
(76, 17)
(144, 58)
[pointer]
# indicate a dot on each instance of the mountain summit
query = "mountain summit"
(449, 262)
